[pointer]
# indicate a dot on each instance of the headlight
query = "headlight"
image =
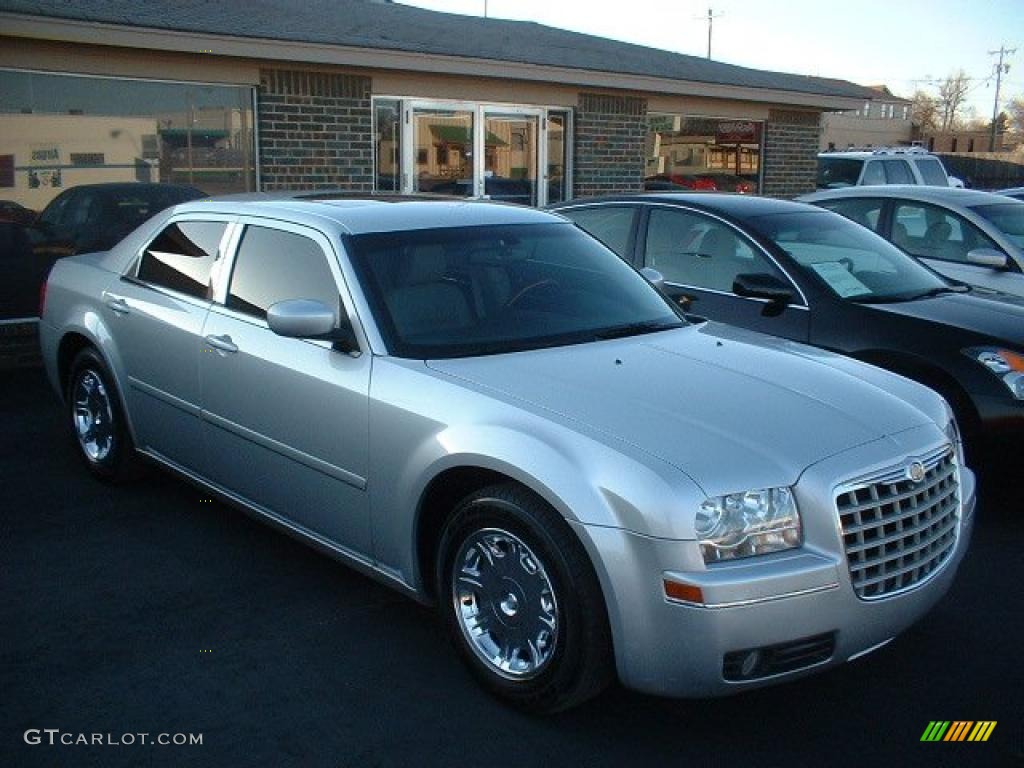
(1007, 365)
(746, 524)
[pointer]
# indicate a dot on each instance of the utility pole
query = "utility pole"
(711, 21)
(1001, 68)
(485, 9)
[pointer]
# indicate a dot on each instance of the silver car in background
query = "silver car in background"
(971, 236)
(486, 409)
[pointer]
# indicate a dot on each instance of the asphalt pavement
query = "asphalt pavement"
(150, 609)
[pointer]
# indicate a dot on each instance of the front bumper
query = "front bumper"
(680, 649)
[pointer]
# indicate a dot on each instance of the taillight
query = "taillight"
(42, 296)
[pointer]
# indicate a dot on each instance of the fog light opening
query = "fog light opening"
(750, 663)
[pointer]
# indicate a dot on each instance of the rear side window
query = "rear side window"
(181, 257)
(932, 171)
(612, 225)
(874, 173)
(838, 172)
(898, 172)
(273, 266)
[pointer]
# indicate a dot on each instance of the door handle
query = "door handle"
(117, 304)
(222, 344)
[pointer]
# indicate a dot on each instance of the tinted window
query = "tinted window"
(461, 291)
(898, 172)
(933, 232)
(874, 173)
(691, 249)
(1008, 219)
(931, 171)
(836, 172)
(865, 212)
(609, 224)
(851, 261)
(274, 266)
(181, 257)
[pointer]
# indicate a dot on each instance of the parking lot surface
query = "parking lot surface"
(152, 609)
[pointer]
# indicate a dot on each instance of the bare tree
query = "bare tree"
(1015, 111)
(924, 112)
(952, 92)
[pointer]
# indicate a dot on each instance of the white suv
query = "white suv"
(902, 165)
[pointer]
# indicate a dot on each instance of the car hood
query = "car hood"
(998, 316)
(732, 409)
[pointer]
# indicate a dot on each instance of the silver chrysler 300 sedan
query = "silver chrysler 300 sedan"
(485, 408)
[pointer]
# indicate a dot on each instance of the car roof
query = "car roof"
(920, 192)
(724, 203)
(366, 214)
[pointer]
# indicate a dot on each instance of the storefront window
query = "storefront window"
(145, 144)
(714, 154)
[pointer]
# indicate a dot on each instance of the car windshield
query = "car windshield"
(1008, 218)
(853, 262)
(461, 291)
(836, 172)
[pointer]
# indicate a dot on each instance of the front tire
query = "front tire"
(521, 601)
(97, 421)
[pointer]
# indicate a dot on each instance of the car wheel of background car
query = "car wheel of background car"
(522, 602)
(97, 421)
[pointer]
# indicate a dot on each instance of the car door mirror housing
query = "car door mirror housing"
(303, 319)
(654, 277)
(762, 286)
(987, 257)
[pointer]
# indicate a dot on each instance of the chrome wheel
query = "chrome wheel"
(93, 416)
(504, 603)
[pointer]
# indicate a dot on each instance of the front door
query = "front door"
(286, 420)
(511, 156)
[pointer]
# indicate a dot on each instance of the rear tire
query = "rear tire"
(98, 427)
(521, 601)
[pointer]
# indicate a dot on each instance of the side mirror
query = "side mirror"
(309, 319)
(987, 257)
(654, 277)
(763, 286)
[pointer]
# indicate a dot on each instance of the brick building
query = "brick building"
(368, 94)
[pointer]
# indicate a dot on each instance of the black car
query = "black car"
(94, 217)
(797, 271)
(89, 217)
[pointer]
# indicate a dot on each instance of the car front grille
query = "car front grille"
(897, 532)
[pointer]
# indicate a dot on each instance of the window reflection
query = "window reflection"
(703, 153)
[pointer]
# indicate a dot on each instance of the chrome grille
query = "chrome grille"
(898, 532)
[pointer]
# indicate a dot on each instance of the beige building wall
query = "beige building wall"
(52, 148)
(844, 130)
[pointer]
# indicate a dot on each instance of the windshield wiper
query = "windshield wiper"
(635, 329)
(940, 290)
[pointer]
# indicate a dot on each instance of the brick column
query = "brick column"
(314, 130)
(790, 152)
(610, 136)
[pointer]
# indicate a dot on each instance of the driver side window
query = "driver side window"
(694, 250)
(931, 232)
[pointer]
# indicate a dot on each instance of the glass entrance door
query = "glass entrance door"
(511, 157)
(509, 153)
(443, 151)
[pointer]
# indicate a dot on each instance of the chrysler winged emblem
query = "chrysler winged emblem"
(915, 471)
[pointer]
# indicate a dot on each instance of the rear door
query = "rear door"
(156, 314)
(286, 420)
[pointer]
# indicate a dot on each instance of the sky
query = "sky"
(900, 43)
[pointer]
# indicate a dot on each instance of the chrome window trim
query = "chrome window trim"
(746, 238)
